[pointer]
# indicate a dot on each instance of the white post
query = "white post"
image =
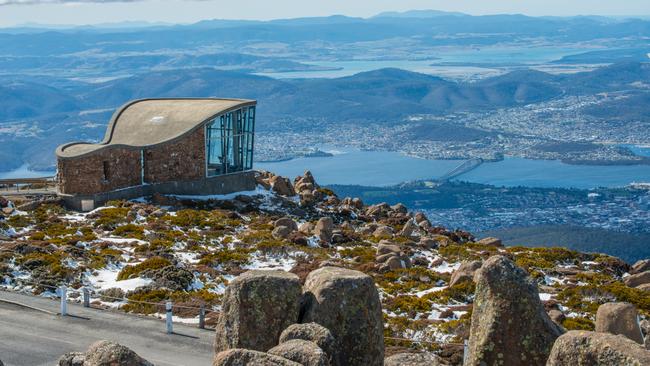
(202, 317)
(64, 302)
(170, 326)
(86, 293)
(465, 351)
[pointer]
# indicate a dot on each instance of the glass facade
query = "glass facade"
(229, 142)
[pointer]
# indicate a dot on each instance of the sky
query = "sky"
(79, 12)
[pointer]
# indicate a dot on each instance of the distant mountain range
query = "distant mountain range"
(386, 95)
(379, 95)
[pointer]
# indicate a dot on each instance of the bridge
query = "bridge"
(463, 168)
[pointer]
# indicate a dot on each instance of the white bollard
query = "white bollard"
(465, 351)
(170, 326)
(86, 293)
(202, 317)
(64, 302)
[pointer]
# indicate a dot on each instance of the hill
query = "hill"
(630, 247)
(133, 256)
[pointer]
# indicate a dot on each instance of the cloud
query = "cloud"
(37, 2)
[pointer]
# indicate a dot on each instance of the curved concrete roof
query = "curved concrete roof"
(150, 122)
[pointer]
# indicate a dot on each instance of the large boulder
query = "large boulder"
(596, 349)
(509, 323)
(347, 303)
(640, 266)
(246, 357)
(490, 241)
(304, 352)
(257, 307)
(413, 359)
(313, 332)
(465, 273)
(282, 186)
(324, 229)
(637, 279)
(104, 353)
(171, 277)
(619, 318)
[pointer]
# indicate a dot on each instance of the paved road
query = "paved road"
(33, 338)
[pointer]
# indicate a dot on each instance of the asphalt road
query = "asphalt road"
(34, 338)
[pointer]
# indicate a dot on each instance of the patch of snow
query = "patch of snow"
(122, 240)
(313, 241)
(544, 297)
(259, 190)
(430, 290)
(459, 313)
(107, 278)
(445, 267)
(270, 262)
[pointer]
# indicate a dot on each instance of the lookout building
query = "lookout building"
(170, 146)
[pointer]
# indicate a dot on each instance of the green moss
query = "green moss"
(226, 256)
(367, 254)
(587, 298)
(407, 303)
(461, 292)
(37, 235)
(543, 258)
(578, 323)
(110, 218)
(253, 237)
(19, 221)
(133, 271)
(188, 218)
(151, 296)
(456, 253)
(129, 231)
(405, 280)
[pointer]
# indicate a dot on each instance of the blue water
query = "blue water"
(370, 168)
(466, 55)
(553, 173)
(24, 172)
(639, 150)
(374, 168)
(381, 168)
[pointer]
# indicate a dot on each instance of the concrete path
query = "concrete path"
(33, 338)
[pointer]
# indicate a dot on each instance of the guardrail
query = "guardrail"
(18, 181)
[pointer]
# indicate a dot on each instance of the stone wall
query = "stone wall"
(86, 175)
(183, 160)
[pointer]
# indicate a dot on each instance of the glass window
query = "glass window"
(229, 142)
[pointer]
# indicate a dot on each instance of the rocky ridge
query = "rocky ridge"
(192, 251)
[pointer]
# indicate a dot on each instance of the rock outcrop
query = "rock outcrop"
(465, 273)
(324, 229)
(637, 279)
(413, 359)
(257, 306)
(104, 353)
(509, 324)
(246, 357)
(493, 242)
(304, 352)
(619, 318)
(596, 349)
(315, 333)
(347, 303)
(640, 266)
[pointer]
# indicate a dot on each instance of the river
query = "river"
(375, 168)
